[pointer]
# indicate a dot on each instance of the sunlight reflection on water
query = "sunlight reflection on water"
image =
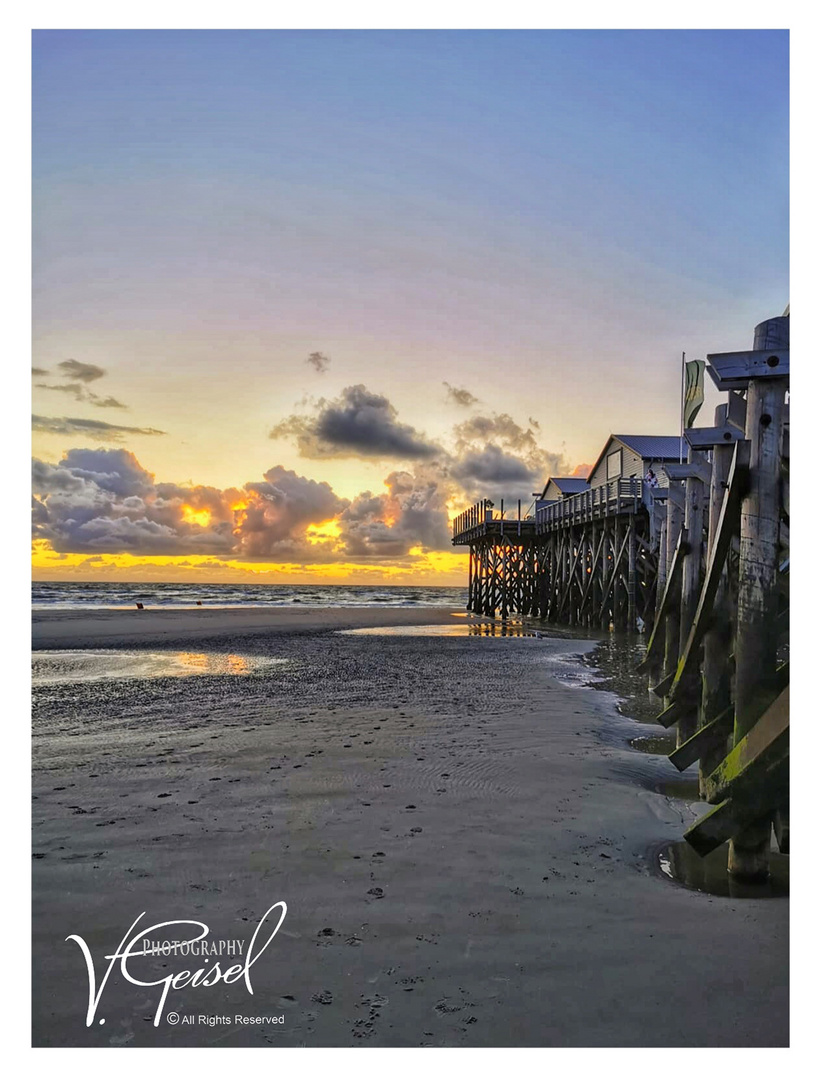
(95, 665)
(464, 629)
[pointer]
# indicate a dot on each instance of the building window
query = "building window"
(614, 465)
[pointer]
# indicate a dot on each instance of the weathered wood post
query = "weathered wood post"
(477, 591)
(505, 585)
(662, 563)
(598, 556)
(690, 589)
(758, 597)
(658, 626)
(631, 616)
(675, 509)
(716, 671)
(469, 600)
(615, 569)
(605, 571)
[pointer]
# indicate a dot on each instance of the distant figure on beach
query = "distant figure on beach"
(140, 606)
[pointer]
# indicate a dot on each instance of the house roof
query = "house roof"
(656, 447)
(569, 485)
(649, 447)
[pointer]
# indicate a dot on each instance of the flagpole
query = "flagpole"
(682, 408)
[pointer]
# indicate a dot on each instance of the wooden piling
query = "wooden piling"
(469, 598)
(689, 592)
(758, 598)
(716, 671)
(632, 576)
(675, 511)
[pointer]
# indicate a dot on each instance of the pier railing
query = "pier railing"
(481, 517)
(615, 497)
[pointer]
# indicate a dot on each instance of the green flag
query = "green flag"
(694, 390)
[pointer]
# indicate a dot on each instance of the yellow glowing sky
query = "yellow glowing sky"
(435, 568)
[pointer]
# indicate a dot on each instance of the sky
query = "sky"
(301, 296)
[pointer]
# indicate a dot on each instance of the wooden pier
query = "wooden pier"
(588, 560)
(701, 564)
(504, 568)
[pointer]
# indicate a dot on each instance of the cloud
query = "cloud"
(492, 466)
(98, 430)
(78, 375)
(497, 458)
(460, 395)
(582, 470)
(105, 502)
(279, 511)
(81, 393)
(357, 424)
(412, 513)
(319, 360)
(86, 373)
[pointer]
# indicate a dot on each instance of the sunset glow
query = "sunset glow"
(295, 351)
(196, 517)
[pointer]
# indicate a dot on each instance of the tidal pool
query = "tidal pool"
(96, 665)
(681, 864)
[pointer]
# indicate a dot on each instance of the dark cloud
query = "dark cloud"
(500, 428)
(98, 430)
(86, 373)
(116, 472)
(82, 393)
(98, 501)
(78, 375)
(492, 466)
(319, 360)
(357, 424)
(496, 458)
(412, 513)
(460, 395)
(104, 501)
(278, 512)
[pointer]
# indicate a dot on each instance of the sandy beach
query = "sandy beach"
(462, 834)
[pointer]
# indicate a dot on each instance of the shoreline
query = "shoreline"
(114, 627)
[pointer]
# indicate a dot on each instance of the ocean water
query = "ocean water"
(100, 594)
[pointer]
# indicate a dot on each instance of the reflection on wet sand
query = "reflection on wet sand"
(654, 744)
(95, 665)
(683, 865)
(686, 788)
(482, 628)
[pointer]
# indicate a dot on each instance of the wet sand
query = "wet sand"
(463, 836)
(107, 628)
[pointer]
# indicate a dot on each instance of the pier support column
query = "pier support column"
(615, 592)
(674, 522)
(716, 674)
(690, 589)
(758, 598)
(469, 596)
(632, 575)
